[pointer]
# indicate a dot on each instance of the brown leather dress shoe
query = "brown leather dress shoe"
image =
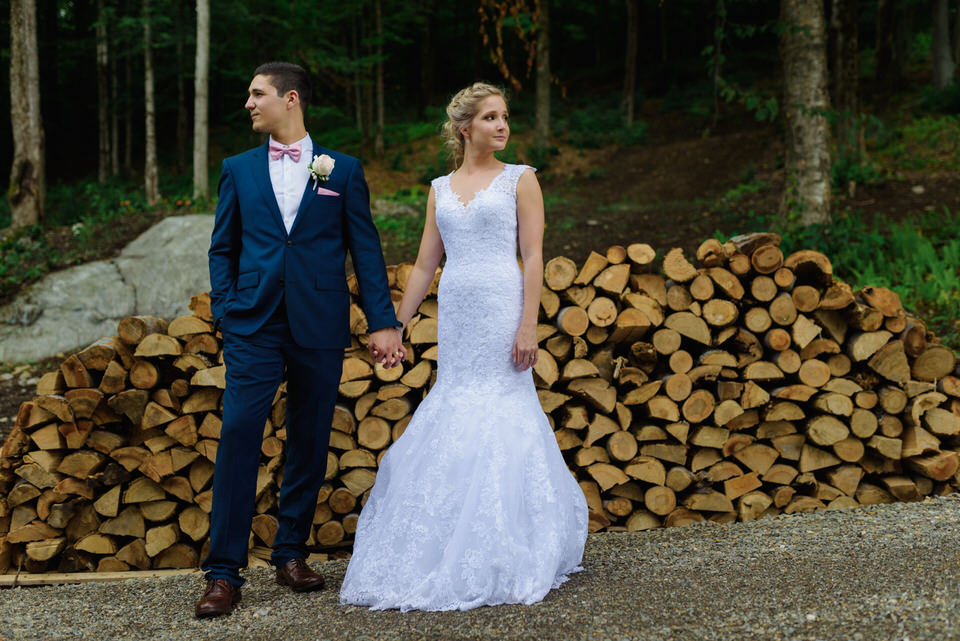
(298, 575)
(218, 599)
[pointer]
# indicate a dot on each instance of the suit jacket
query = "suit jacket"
(254, 262)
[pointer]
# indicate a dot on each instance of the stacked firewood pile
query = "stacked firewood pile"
(751, 385)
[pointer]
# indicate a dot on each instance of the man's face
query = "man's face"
(267, 108)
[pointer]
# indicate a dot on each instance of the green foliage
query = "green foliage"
(403, 132)
(509, 154)
(850, 162)
(439, 165)
(83, 220)
(945, 101)
(743, 189)
(565, 223)
(400, 229)
(415, 196)
(918, 257)
(926, 142)
(540, 157)
(599, 125)
(24, 257)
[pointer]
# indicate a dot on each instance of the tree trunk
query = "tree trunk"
(956, 41)
(941, 49)
(663, 33)
(902, 41)
(150, 172)
(103, 95)
(630, 65)
(803, 53)
(720, 24)
(369, 125)
(114, 120)
(128, 120)
(846, 70)
(425, 45)
(182, 124)
(201, 89)
(27, 189)
(378, 15)
(885, 74)
(357, 76)
(542, 132)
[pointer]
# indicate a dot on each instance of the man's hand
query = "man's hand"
(386, 346)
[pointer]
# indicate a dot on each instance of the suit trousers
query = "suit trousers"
(254, 370)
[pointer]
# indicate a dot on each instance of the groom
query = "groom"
(279, 295)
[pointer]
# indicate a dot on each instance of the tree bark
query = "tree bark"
(941, 49)
(846, 70)
(664, 55)
(956, 41)
(128, 120)
(150, 171)
(103, 95)
(114, 120)
(201, 90)
(183, 125)
(425, 46)
(378, 15)
(902, 41)
(369, 98)
(885, 74)
(542, 130)
(357, 76)
(807, 169)
(720, 24)
(27, 177)
(630, 65)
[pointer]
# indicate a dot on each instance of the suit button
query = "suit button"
(281, 282)
(289, 243)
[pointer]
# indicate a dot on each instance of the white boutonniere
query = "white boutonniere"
(320, 168)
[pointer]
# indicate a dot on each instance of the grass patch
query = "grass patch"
(926, 142)
(918, 257)
(86, 221)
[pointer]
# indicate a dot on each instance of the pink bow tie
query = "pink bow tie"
(277, 151)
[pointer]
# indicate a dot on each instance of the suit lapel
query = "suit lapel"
(309, 194)
(261, 173)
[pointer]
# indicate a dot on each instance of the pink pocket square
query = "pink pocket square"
(322, 191)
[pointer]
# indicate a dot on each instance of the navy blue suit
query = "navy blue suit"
(282, 303)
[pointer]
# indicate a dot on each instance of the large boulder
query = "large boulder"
(154, 275)
(167, 264)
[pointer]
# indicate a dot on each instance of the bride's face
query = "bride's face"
(490, 128)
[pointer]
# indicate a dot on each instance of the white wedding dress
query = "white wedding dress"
(473, 505)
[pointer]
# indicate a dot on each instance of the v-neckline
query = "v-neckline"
(457, 196)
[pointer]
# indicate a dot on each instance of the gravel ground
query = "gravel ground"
(874, 573)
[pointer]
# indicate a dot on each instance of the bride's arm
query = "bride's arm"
(530, 234)
(428, 258)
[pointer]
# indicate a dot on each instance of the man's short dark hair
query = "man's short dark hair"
(286, 76)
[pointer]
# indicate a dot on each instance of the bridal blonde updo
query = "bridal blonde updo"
(461, 111)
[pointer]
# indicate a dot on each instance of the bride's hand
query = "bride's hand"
(525, 348)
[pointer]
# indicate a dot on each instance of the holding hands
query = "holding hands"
(386, 346)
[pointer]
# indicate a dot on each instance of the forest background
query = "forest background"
(833, 122)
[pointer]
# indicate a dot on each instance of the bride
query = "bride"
(474, 505)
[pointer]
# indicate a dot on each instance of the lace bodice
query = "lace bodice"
(481, 234)
(481, 289)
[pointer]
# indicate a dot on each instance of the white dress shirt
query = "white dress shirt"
(289, 180)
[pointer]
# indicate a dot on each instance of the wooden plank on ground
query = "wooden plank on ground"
(13, 579)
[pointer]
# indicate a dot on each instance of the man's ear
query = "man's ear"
(292, 99)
